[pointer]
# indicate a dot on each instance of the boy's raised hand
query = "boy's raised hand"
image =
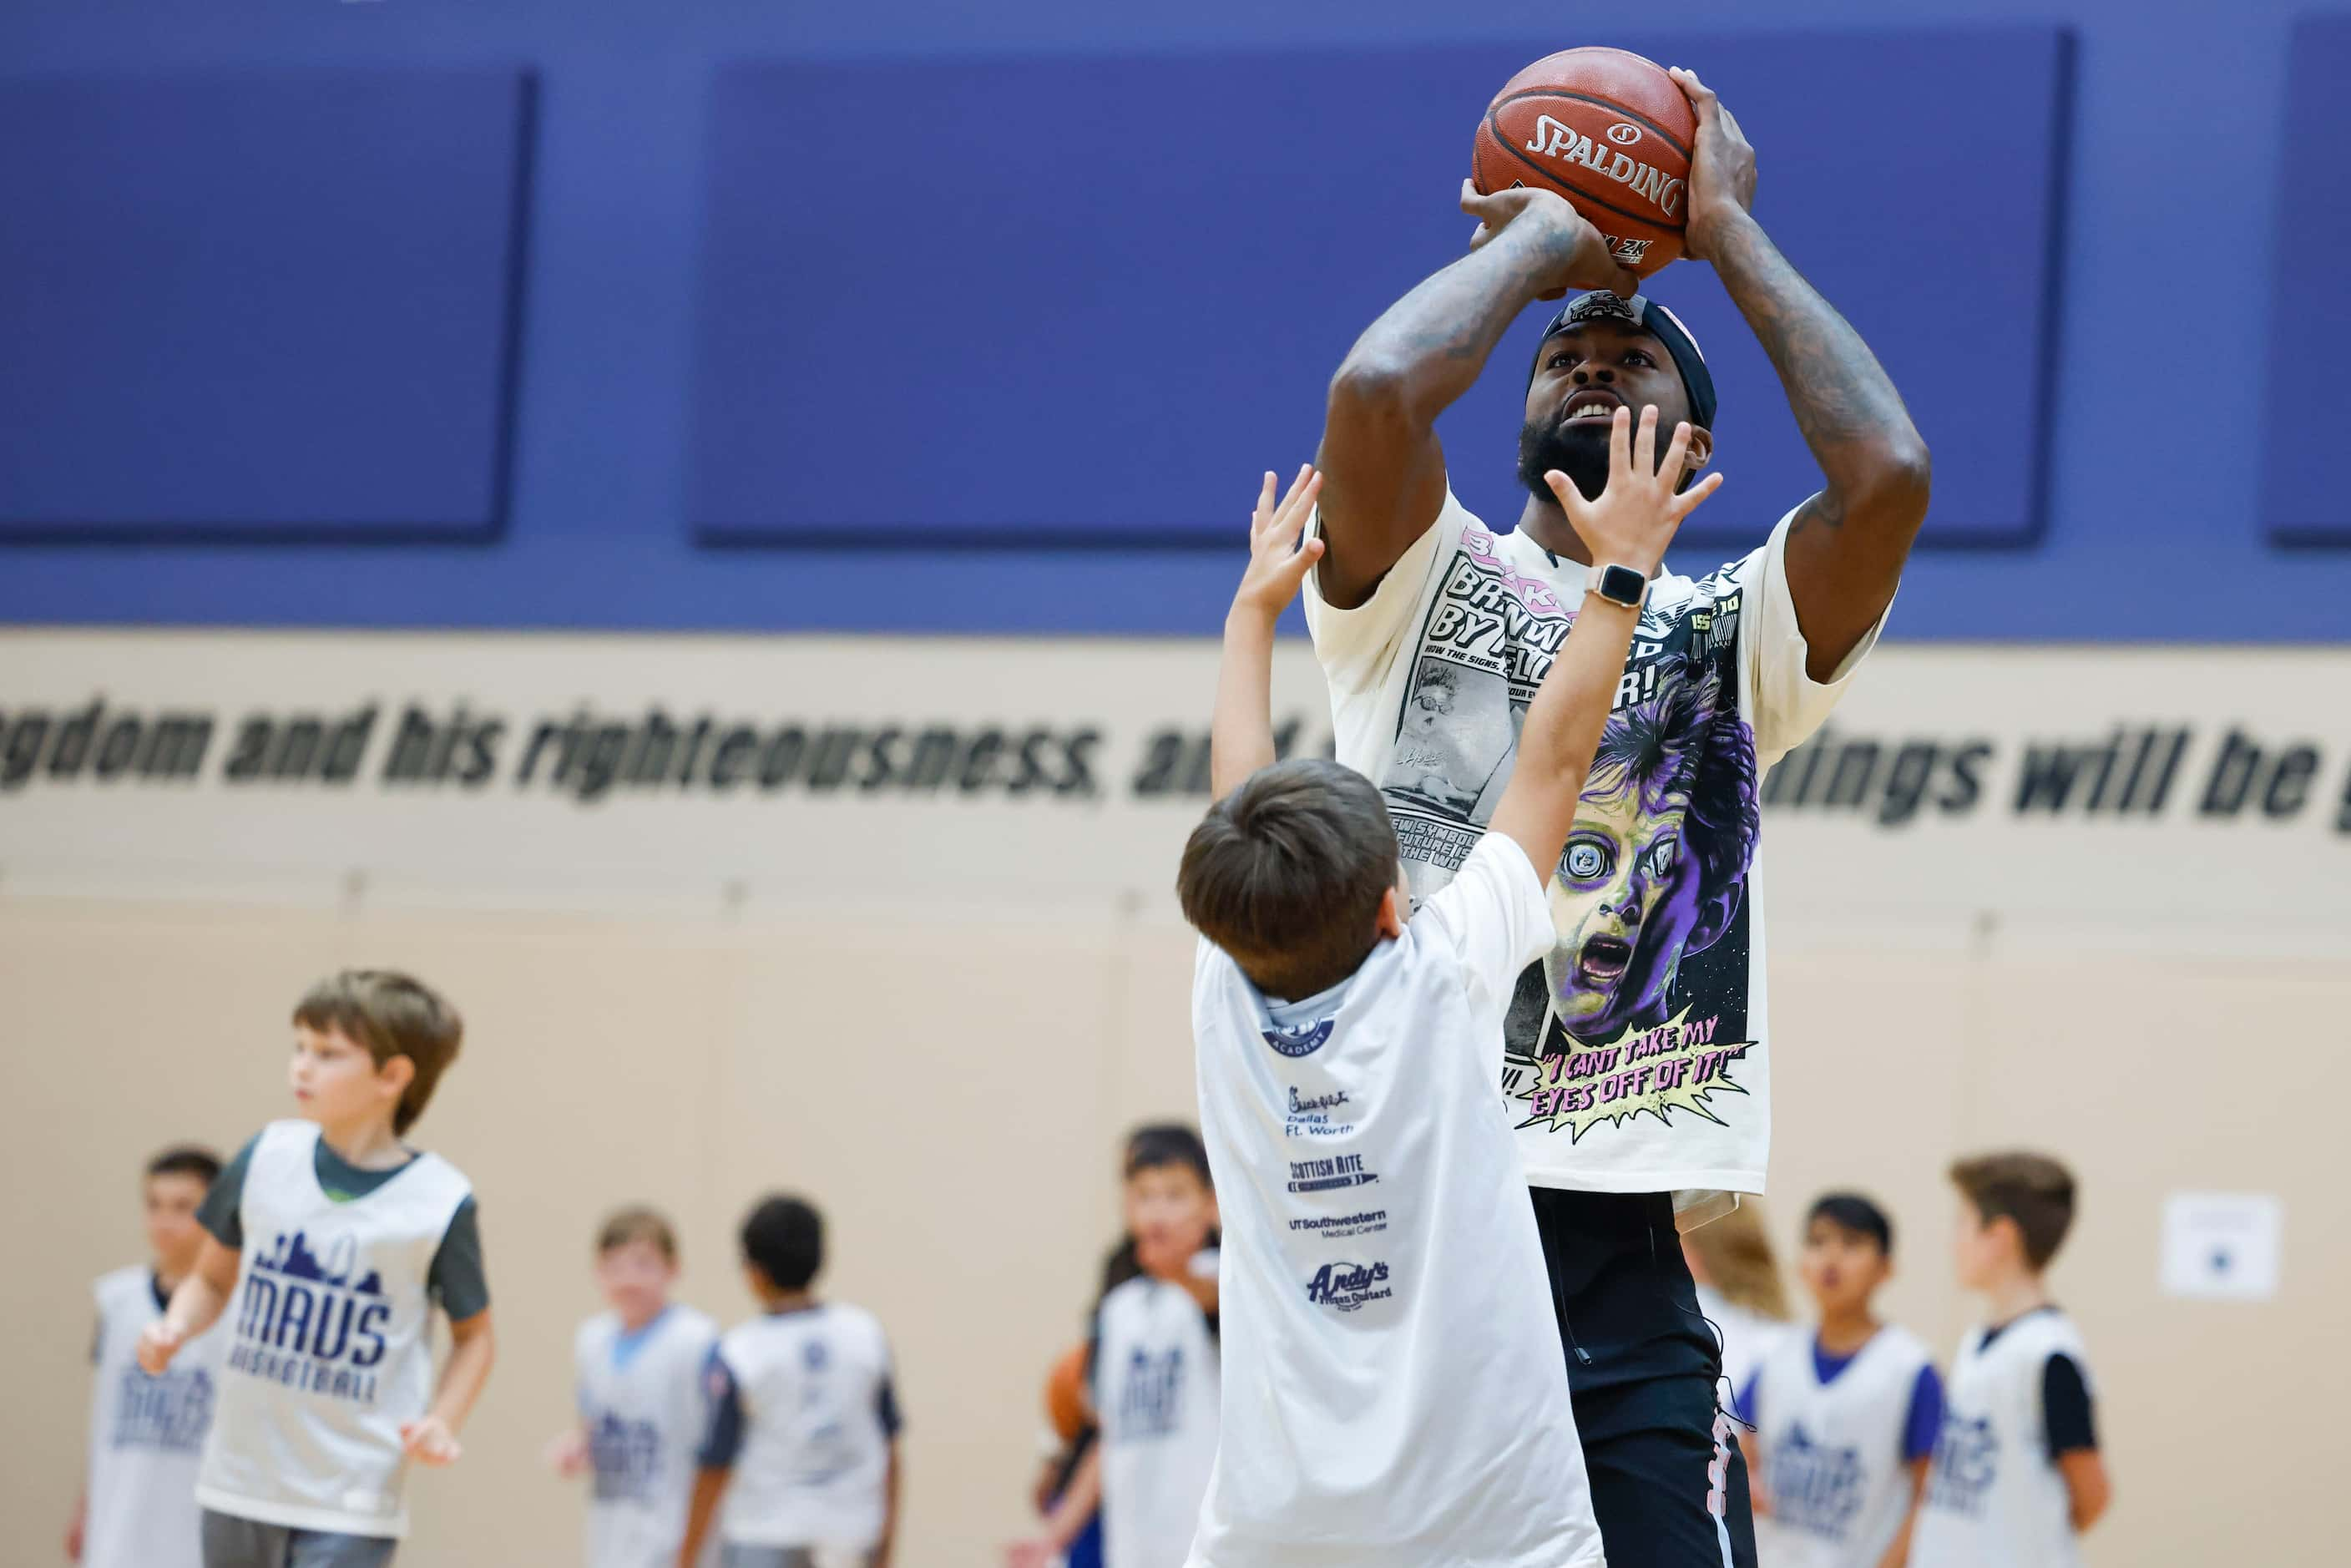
(1635, 516)
(159, 1341)
(1277, 562)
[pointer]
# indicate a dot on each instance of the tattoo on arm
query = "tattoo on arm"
(1850, 414)
(1448, 325)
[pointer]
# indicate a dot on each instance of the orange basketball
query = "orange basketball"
(1607, 129)
(1065, 1394)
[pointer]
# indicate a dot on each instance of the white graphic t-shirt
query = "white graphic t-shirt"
(1155, 1393)
(1995, 1494)
(1636, 1046)
(1840, 1483)
(1394, 1392)
(642, 1401)
(146, 1434)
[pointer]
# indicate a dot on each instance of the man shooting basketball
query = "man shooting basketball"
(1636, 1063)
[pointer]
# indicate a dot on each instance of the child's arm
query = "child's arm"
(196, 1306)
(1081, 1501)
(2086, 1486)
(896, 1473)
(1630, 525)
(1241, 740)
(709, 1490)
(1898, 1554)
(433, 1440)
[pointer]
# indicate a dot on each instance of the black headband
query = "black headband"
(1649, 315)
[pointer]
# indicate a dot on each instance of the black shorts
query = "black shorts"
(1668, 1483)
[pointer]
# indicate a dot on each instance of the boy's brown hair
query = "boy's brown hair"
(2033, 1190)
(390, 1014)
(637, 1223)
(1286, 872)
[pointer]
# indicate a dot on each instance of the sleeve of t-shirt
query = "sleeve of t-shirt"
(722, 1437)
(221, 1212)
(456, 1278)
(1357, 646)
(1925, 1422)
(1496, 917)
(1787, 705)
(885, 1407)
(2065, 1406)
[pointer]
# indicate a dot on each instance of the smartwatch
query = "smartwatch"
(1617, 584)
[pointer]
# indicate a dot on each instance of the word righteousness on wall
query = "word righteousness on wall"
(1957, 778)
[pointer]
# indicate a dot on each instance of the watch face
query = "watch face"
(1622, 584)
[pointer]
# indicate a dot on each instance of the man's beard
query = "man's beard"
(1581, 454)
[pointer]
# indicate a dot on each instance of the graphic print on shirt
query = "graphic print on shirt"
(1815, 1487)
(1967, 1463)
(1641, 1006)
(626, 1454)
(304, 1322)
(826, 1449)
(1151, 1394)
(170, 1412)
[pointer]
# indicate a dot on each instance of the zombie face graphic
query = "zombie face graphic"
(1657, 863)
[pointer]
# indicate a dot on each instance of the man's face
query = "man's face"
(1583, 375)
(1623, 905)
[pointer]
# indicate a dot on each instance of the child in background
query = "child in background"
(346, 1240)
(1154, 1368)
(2017, 1476)
(802, 1448)
(1846, 1419)
(638, 1367)
(1740, 1291)
(138, 1507)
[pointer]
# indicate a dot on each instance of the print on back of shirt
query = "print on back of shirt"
(1641, 1005)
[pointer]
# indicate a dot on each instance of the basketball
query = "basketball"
(1609, 131)
(1065, 1394)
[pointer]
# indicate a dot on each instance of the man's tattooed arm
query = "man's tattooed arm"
(1382, 470)
(1848, 544)
(1846, 547)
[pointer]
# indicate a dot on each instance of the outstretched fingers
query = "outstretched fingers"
(1688, 500)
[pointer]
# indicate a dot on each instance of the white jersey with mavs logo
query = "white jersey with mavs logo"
(329, 1350)
(1154, 1388)
(1394, 1392)
(814, 1459)
(1840, 1488)
(643, 1405)
(146, 1435)
(1995, 1496)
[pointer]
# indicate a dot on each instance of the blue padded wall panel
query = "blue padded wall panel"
(2303, 498)
(274, 303)
(1079, 298)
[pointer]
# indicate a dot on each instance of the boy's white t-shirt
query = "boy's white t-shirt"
(330, 1348)
(1995, 1495)
(1839, 1485)
(146, 1435)
(1638, 1055)
(818, 1418)
(1154, 1396)
(644, 1407)
(1394, 1393)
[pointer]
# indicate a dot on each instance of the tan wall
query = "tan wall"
(951, 1085)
